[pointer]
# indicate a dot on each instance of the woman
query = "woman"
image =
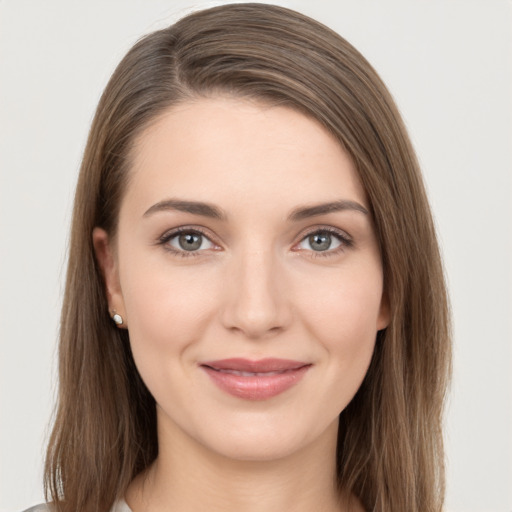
(255, 315)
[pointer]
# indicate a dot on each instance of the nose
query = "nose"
(256, 303)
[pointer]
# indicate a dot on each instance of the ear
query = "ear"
(107, 260)
(384, 318)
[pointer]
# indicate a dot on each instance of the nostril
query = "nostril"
(255, 303)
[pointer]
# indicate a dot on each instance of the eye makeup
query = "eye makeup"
(190, 235)
(194, 237)
(326, 233)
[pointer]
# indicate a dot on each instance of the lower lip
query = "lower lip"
(257, 387)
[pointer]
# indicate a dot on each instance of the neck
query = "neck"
(189, 477)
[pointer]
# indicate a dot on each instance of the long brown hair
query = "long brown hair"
(390, 451)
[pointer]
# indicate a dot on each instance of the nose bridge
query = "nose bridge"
(256, 304)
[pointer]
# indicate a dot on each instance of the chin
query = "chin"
(263, 439)
(259, 449)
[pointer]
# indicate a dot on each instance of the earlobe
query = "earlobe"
(384, 317)
(107, 261)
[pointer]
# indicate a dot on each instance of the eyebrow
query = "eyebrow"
(214, 212)
(321, 209)
(194, 207)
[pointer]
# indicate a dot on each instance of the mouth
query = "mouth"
(255, 380)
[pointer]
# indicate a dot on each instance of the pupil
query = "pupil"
(320, 242)
(190, 242)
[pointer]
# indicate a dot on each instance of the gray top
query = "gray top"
(119, 506)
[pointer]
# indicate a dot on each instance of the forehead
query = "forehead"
(222, 148)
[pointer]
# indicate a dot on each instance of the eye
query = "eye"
(185, 241)
(325, 240)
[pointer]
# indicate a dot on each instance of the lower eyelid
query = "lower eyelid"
(204, 238)
(343, 238)
(344, 242)
(170, 235)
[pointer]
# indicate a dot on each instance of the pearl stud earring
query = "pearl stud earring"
(118, 319)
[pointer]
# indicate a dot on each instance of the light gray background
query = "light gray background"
(449, 65)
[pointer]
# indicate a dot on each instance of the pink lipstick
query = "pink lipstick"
(255, 380)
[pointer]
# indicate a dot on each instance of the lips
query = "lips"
(255, 380)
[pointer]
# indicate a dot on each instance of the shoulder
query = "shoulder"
(119, 506)
(43, 507)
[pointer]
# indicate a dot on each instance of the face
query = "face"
(247, 271)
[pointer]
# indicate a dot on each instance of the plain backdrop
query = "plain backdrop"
(448, 64)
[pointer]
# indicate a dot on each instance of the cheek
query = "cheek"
(342, 313)
(168, 301)
(168, 311)
(345, 326)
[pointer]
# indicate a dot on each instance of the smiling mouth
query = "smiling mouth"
(255, 380)
(250, 374)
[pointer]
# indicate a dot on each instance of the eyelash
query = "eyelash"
(345, 241)
(166, 237)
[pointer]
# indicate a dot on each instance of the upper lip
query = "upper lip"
(259, 366)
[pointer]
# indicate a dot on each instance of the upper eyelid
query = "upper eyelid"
(171, 233)
(327, 229)
(164, 240)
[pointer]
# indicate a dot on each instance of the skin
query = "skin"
(258, 286)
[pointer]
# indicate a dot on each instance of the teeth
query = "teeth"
(251, 374)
